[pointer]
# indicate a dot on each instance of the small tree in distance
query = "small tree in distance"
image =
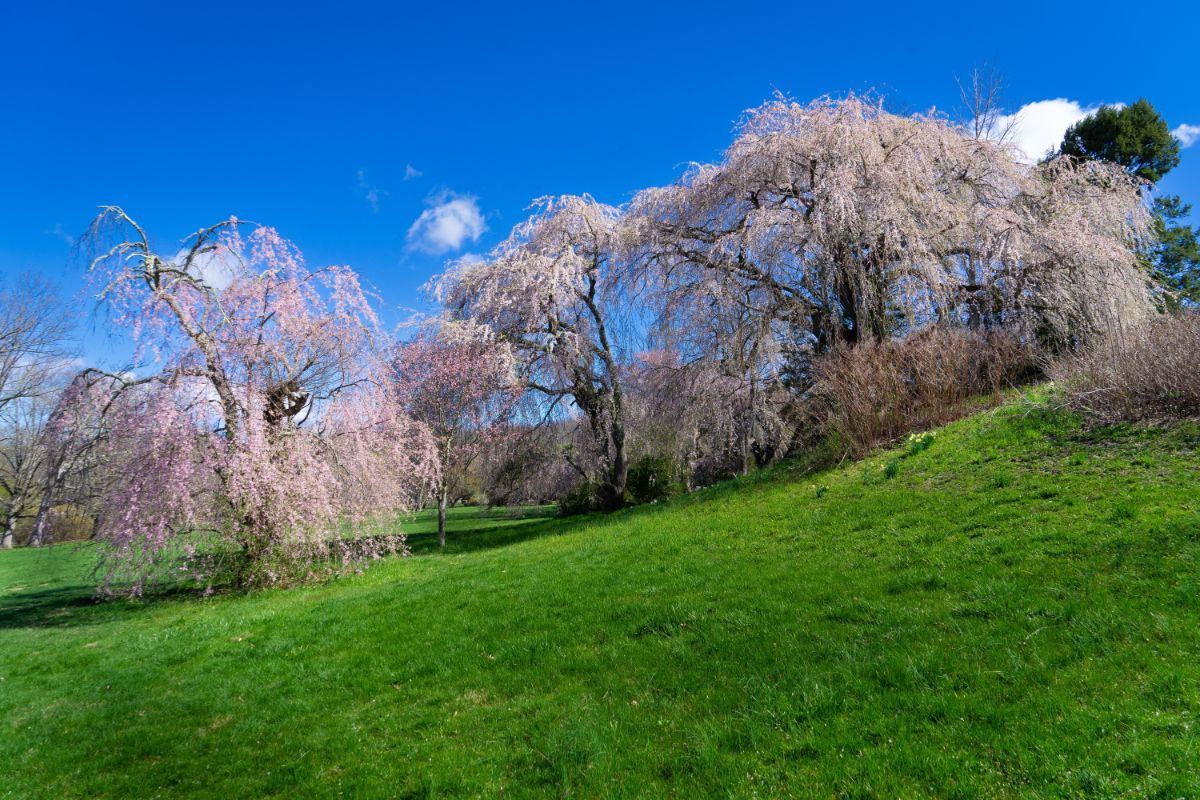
(32, 359)
(459, 383)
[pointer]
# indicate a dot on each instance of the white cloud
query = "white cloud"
(449, 222)
(63, 365)
(471, 258)
(61, 232)
(1038, 127)
(1187, 135)
(217, 268)
(411, 172)
(372, 194)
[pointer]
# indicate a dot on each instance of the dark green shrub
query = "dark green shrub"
(579, 500)
(652, 478)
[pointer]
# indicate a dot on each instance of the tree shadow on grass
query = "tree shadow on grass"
(45, 608)
(486, 536)
(76, 605)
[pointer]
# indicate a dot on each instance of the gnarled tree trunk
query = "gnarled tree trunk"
(10, 524)
(442, 495)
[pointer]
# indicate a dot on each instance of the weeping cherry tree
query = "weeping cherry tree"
(837, 222)
(262, 426)
(551, 293)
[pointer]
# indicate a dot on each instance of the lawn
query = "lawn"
(1011, 612)
(470, 528)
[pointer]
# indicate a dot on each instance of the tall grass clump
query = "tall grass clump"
(1149, 373)
(878, 392)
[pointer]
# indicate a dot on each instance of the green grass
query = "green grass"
(1009, 612)
(471, 528)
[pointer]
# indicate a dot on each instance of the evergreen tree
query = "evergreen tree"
(1134, 136)
(1175, 255)
(1137, 138)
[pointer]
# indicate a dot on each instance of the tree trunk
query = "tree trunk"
(16, 507)
(442, 516)
(41, 525)
(692, 460)
(611, 494)
(748, 428)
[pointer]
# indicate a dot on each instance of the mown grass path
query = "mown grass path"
(1013, 613)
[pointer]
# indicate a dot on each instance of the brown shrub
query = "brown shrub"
(67, 524)
(875, 393)
(1150, 373)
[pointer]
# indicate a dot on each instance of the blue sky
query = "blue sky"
(341, 124)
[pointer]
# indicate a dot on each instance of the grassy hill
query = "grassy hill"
(1011, 612)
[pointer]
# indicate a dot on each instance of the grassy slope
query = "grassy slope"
(1014, 614)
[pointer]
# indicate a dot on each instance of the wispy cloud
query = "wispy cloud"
(1187, 135)
(471, 258)
(1037, 128)
(69, 364)
(450, 222)
(217, 268)
(61, 232)
(411, 172)
(372, 194)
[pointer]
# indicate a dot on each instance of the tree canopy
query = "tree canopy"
(1135, 137)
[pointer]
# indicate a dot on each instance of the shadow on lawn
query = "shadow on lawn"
(63, 607)
(45, 608)
(484, 534)
(469, 536)
(76, 604)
